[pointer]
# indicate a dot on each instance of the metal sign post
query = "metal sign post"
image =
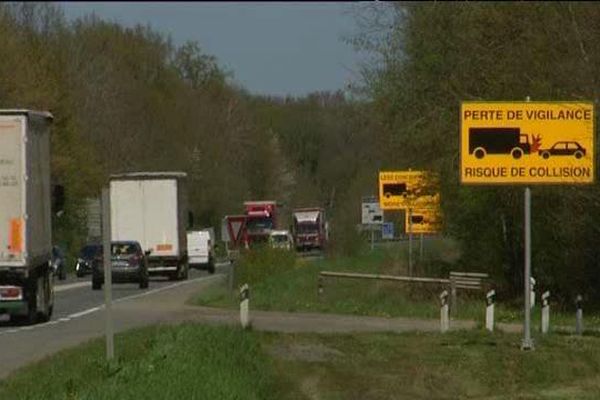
(527, 343)
(421, 249)
(106, 239)
(410, 241)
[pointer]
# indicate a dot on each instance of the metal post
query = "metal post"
(372, 237)
(454, 298)
(489, 310)
(410, 263)
(545, 312)
(231, 277)
(579, 318)
(444, 320)
(421, 250)
(532, 295)
(527, 343)
(106, 239)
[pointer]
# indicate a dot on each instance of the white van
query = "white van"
(281, 240)
(200, 250)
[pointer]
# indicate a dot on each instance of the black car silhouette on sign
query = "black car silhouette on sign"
(563, 149)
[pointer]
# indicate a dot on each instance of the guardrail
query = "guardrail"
(457, 280)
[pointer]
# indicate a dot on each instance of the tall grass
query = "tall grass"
(183, 362)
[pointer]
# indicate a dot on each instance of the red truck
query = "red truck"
(261, 219)
(310, 228)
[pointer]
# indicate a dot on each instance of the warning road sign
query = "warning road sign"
(399, 190)
(527, 143)
(424, 220)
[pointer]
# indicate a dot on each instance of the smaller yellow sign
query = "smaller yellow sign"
(424, 220)
(399, 190)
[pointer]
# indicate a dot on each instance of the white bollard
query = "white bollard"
(532, 281)
(444, 318)
(545, 312)
(245, 306)
(579, 316)
(489, 310)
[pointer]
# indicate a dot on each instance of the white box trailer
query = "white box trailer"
(26, 278)
(151, 208)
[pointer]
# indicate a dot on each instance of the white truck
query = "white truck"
(26, 276)
(151, 208)
(201, 249)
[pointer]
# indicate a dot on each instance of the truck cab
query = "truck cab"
(261, 219)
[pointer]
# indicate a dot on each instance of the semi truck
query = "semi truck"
(26, 197)
(261, 219)
(151, 208)
(484, 141)
(310, 228)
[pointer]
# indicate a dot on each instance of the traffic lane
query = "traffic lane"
(22, 346)
(78, 299)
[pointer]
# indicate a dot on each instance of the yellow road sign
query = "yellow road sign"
(527, 143)
(399, 190)
(424, 220)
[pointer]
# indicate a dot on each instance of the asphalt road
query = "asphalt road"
(79, 315)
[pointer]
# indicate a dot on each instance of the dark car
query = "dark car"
(59, 266)
(86, 256)
(563, 149)
(128, 263)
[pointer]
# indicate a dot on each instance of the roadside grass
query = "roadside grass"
(280, 282)
(183, 362)
(192, 361)
(463, 364)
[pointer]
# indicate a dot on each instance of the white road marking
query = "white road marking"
(100, 307)
(61, 288)
(86, 312)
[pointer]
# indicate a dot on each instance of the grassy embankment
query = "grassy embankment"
(280, 281)
(200, 362)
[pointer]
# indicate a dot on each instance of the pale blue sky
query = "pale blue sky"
(272, 48)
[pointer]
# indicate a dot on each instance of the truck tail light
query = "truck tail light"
(11, 293)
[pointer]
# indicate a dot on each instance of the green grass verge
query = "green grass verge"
(458, 365)
(184, 362)
(279, 282)
(203, 362)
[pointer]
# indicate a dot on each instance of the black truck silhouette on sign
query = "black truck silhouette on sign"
(394, 189)
(484, 141)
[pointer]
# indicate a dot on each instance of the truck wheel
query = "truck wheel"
(211, 268)
(96, 285)
(516, 153)
(44, 316)
(32, 314)
(144, 283)
(185, 272)
(479, 153)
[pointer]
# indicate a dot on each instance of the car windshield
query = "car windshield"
(123, 249)
(280, 238)
(90, 251)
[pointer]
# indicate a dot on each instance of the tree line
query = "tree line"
(427, 59)
(128, 99)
